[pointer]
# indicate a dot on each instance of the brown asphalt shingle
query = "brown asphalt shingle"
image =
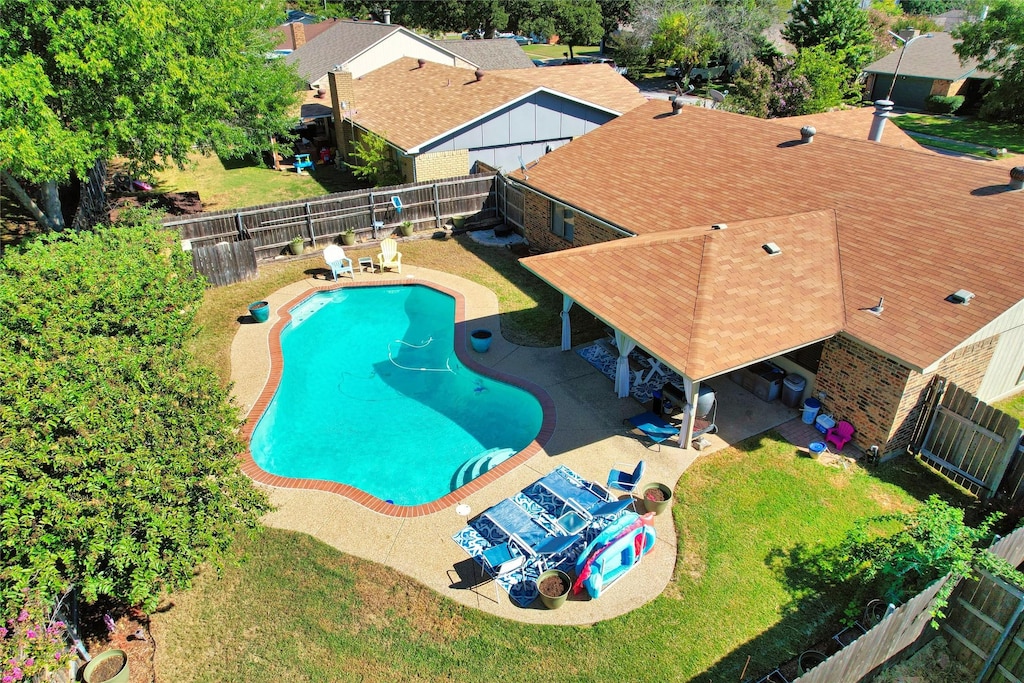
(597, 83)
(912, 226)
(490, 55)
(852, 123)
(686, 296)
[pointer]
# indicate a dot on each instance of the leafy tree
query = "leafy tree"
(683, 39)
(836, 24)
(577, 22)
(738, 25)
(376, 160)
(151, 82)
(926, 7)
(831, 79)
(898, 555)
(998, 42)
(118, 467)
(630, 52)
(769, 91)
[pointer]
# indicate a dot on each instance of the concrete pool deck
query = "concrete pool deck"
(588, 437)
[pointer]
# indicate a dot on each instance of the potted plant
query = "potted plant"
(553, 586)
(657, 498)
(295, 246)
(109, 666)
(480, 340)
(406, 228)
(458, 222)
(348, 238)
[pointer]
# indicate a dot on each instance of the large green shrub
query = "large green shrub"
(943, 104)
(118, 469)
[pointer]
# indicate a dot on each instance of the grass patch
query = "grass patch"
(558, 51)
(291, 607)
(973, 131)
(529, 307)
(240, 183)
(952, 145)
(1014, 406)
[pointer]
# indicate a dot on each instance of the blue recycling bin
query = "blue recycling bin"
(811, 408)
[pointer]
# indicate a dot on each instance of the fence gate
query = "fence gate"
(970, 442)
(511, 203)
(984, 628)
(225, 262)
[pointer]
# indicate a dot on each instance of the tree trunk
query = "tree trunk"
(27, 201)
(51, 204)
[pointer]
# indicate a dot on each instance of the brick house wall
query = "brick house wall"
(537, 220)
(880, 396)
(439, 165)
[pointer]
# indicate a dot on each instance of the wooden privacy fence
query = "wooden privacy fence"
(266, 230)
(971, 442)
(511, 202)
(983, 621)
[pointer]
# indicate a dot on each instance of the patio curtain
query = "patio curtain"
(626, 346)
(566, 332)
(684, 427)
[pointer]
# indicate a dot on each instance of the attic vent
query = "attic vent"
(422, 62)
(807, 134)
(1017, 178)
(677, 106)
(479, 73)
(719, 226)
(960, 296)
(771, 248)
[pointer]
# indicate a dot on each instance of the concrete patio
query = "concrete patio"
(588, 437)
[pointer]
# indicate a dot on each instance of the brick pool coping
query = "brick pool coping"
(258, 474)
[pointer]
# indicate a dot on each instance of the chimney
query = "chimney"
(387, 16)
(342, 94)
(1017, 178)
(807, 134)
(479, 73)
(908, 34)
(882, 109)
(298, 34)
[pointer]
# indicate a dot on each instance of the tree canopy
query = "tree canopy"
(118, 467)
(836, 24)
(149, 81)
(998, 42)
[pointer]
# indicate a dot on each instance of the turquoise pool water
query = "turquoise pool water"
(373, 396)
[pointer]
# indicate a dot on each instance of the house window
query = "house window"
(807, 357)
(562, 219)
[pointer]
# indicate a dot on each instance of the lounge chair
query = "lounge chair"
(513, 520)
(338, 262)
(653, 427)
(389, 256)
(555, 490)
(624, 480)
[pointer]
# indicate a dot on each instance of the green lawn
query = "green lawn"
(239, 183)
(557, 51)
(293, 608)
(1014, 406)
(969, 130)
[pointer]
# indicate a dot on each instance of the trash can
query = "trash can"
(793, 390)
(811, 408)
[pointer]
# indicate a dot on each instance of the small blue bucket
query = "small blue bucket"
(816, 448)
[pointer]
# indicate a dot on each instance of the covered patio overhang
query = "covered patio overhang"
(706, 300)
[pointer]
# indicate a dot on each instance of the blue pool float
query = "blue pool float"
(614, 552)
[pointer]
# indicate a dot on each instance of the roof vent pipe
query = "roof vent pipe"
(387, 16)
(719, 226)
(807, 134)
(479, 73)
(677, 106)
(882, 109)
(422, 62)
(1017, 178)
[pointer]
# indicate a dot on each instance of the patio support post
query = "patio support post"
(566, 331)
(691, 390)
(626, 346)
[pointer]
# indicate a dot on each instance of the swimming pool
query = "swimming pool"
(373, 395)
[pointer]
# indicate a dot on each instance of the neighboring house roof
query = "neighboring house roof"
(929, 58)
(489, 55)
(309, 29)
(913, 227)
(596, 83)
(312, 107)
(951, 19)
(854, 124)
(343, 42)
(678, 313)
(411, 105)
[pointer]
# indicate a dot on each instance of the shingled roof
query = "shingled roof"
(490, 55)
(853, 124)
(685, 295)
(929, 58)
(912, 226)
(411, 104)
(595, 83)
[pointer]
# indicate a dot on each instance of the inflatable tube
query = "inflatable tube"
(614, 552)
